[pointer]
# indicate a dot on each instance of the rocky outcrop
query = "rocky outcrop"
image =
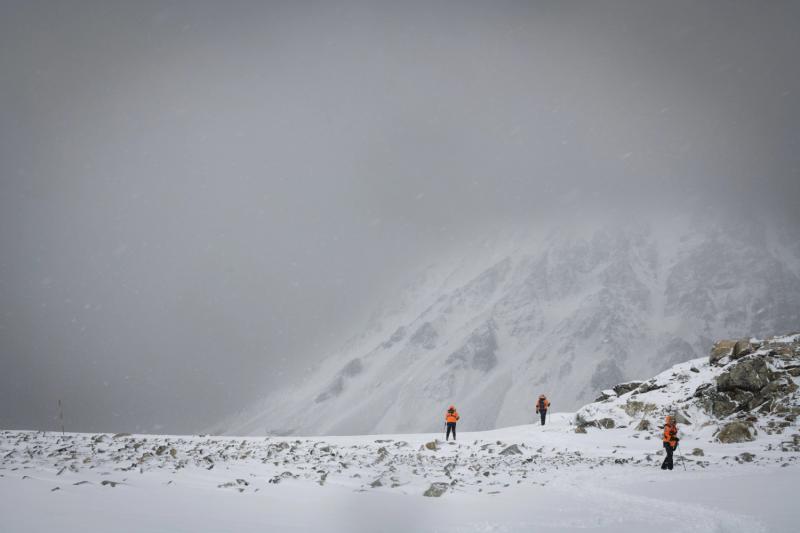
(353, 368)
(618, 390)
(755, 375)
(478, 351)
(398, 335)
(624, 388)
(607, 394)
(747, 385)
(602, 423)
(425, 336)
(749, 374)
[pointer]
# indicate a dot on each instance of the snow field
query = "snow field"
(604, 480)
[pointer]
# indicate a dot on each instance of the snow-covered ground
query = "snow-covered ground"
(738, 467)
(603, 480)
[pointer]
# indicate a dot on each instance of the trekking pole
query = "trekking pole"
(682, 461)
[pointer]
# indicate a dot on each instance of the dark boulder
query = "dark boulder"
(749, 374)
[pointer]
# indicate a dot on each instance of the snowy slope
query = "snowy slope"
(570, 475)
(567, 313)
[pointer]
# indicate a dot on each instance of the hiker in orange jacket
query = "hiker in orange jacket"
(542, 404)
(670, 442)
(450, 418)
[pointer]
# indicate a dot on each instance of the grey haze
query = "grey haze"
(199, 201)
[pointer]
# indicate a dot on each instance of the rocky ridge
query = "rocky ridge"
(745, 387)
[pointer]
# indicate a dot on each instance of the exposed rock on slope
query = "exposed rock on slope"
(744, 387)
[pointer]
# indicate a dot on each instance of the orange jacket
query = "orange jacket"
(671, 432)
(451, 416)
(542, 404)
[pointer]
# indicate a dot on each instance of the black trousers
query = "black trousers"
(667, 464)
(543, 412)
(451, 426)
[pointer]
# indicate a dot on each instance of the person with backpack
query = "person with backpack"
(542, 404)
(670, 442)
(450, 419)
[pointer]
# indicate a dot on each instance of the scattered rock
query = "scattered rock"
(736, 432)
(285, 475)
(237, 483)
(606, 423)
(511, 450)
(698, 452)
(436, 490)
(634, 408)
(747, 457)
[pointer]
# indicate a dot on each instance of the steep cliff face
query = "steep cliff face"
(567, 313)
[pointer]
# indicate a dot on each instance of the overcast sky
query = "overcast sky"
(200, 199)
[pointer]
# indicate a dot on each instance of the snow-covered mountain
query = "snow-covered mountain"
(567, 313)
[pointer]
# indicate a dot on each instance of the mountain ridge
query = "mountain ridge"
(568, 313)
